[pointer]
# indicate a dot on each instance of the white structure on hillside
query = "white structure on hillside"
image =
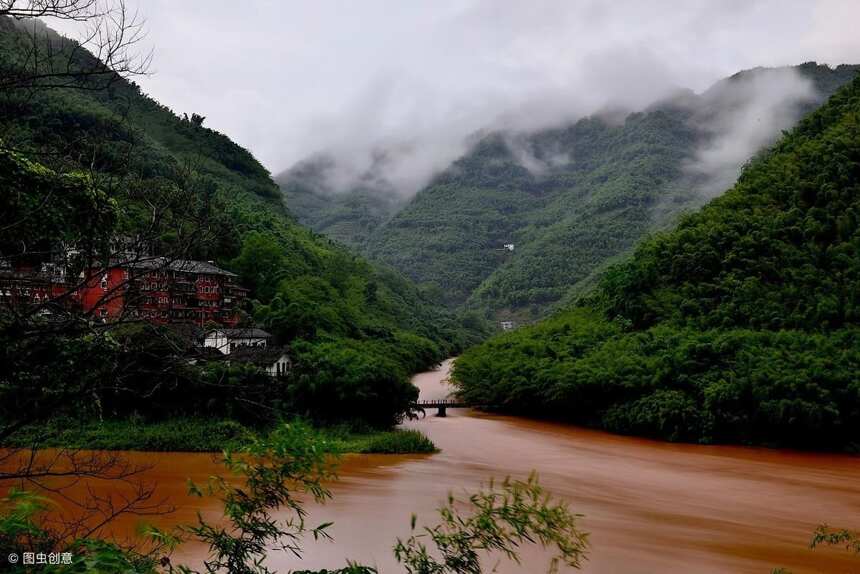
(281, 366)
(274, 360)
(507, 325)
(228, 340)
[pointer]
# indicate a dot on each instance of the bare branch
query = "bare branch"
(105, 51)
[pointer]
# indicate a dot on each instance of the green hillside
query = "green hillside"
(351, 324)
(740, 325)
(594, 189)
(348, 218)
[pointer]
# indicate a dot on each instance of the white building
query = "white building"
(509, 246)
(506, 325)
(280, 366)
(275, 361)
(228, 340)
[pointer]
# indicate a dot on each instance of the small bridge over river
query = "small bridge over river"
(442, 405)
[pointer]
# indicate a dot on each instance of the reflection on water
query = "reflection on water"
(650, 506)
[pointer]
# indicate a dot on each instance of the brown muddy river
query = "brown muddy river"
(650, 507)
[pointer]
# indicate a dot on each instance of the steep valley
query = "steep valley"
(570, 200)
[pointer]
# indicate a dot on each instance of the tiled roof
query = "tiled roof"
(183, 265)
(247, 333)
(258, 356)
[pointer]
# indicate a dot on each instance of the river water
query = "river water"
(651, 507)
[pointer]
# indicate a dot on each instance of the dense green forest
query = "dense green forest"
(348, 218)
(590, 192)
(356, 330)
(740, 325)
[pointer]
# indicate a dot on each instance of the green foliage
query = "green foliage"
(826, 536)
(274, 472)
(663, 413)
(741, 325)
(345, 379)
(20, 514)
(598, 187)
(184, 434)
(207, 198)
(779, 250)
(196, 434)
(348, 218)
(40, 207)
(64, 360)
(22, 520)
(500, 520)
(400, 442)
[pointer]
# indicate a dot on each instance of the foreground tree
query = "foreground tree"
(826, 536)
(107, 47)
(500, 519)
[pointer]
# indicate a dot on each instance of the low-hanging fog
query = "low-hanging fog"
(753, 111)
(404, 86)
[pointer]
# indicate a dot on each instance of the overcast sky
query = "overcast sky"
(289, 78)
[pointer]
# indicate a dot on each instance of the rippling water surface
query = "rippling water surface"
(651, 507)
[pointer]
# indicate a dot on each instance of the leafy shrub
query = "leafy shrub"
(400, 442)
(663, 414)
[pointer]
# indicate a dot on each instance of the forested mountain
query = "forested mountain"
(349, 323)
(740, 325)
(349, 218)
(570, 199)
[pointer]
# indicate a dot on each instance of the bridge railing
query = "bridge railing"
(440, 402)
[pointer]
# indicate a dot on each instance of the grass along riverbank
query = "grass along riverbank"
(204, 435)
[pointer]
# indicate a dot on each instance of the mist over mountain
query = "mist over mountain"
(740, 324)
(315, 197)
(742, 113)
(570, 198)
(420, 86)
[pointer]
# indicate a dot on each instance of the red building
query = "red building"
(165, 291)
(28, 287)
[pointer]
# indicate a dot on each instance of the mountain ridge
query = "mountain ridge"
(569, 198)
(739, 325)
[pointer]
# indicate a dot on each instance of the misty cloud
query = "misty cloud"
(741, 116)
(392, 91)
(735, 118)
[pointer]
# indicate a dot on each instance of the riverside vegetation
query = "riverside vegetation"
(114, 163)
(741, 325)
(207, 435)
